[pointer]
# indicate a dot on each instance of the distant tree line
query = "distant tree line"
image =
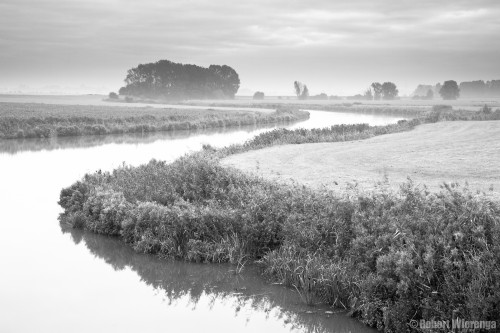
(480, 88)
(174, 81)
(467, 89)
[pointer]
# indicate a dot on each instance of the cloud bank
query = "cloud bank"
(335, 46)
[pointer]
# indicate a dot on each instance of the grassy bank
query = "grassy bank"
(388, 257)
(20, 120)
(340, 133)
(430, 154)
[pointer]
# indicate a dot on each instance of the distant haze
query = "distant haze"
(337, 47)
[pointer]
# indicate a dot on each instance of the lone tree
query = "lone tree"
(450, 90)
(389, 91)
(301, 90)
(377, 90)
(258, 95)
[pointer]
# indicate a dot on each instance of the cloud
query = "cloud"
(88, 38)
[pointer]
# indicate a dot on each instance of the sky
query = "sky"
(337, 47)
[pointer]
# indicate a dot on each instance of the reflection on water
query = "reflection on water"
(241, 295)
(13, 146)
(100, 285)
(318, 119)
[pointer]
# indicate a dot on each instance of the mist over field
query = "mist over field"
(336, 47)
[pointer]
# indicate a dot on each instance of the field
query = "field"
(402, 104)
(431, 154)
(35, 120)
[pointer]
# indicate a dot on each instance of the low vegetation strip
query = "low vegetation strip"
(388, 257)
(19, 120)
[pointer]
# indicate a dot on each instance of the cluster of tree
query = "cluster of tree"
(301, 90)
(480, 89)
(173, 81)
(429, 95)
(453, 90)
(377, 91)
(423, 90)
(450, 90)
(258, 95)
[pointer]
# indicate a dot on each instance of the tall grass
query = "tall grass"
(387, 257)
(18, 120)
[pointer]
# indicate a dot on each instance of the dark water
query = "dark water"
(56, 280)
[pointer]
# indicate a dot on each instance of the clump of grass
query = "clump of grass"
(18, 120)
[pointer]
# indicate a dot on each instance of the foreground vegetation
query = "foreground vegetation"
(21, 120)
(387, 257)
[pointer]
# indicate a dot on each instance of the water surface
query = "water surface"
(57, 280)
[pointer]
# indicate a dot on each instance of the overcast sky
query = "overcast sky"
(337, 47)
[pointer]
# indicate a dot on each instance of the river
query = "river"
(56, 280)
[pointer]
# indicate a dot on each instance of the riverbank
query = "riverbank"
(31, 120)
(387, 257)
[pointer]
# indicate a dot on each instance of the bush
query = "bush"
(113, 95)
(259, 95)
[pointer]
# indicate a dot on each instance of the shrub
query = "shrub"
(259, 95)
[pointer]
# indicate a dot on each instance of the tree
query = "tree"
(429, 95)
(449, 90)
(305, 93)
(301, 90)
(258, 95)
(113, 95)
(168, 80)
(377, 90)
(298, 86)
(368, 94)
(389, 91)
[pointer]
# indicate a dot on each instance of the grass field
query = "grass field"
(402, 104)
(430, 154)
(35, 120)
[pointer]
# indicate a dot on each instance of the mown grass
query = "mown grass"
(20, 120)
(336, 133)
(387, 257)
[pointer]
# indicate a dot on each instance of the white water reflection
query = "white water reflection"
(47, 284)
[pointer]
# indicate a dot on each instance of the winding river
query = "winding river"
(56, 280)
